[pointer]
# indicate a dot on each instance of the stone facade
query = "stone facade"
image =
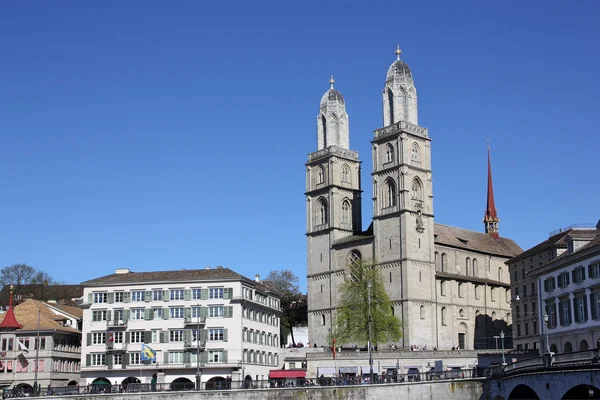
(448, 285)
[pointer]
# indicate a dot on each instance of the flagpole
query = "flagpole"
(37, 355)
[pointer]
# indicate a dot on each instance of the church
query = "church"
(449, 286)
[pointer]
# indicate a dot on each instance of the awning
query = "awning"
(455, 365)
(348, 370)
(282, 373)
(367, 370)
(388, 367)
(412, 367)
(327, 372)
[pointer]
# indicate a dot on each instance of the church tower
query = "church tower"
(403, 207)
(490, 219)
(333, 203)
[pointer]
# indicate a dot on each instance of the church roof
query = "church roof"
(398, 68)
(475, 241)
(332, 95)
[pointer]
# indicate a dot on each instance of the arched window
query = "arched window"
(493, 294)
(437, 261)
(390, 193)
(346, 173)
(393, 311)
(322, 320)
(553, 348)
(475, 267)
(508, 320)
(444, 316)
(460, 290)
(568, 347)
(443, 288)
(416, 152)
(477, 323)
(444, 262)
(422, 312)
(324, 123)
(389, 153)
(583, 345)
(494, 320)
(391, 104)
(461, 313)
(321, 212)
(346, 214)
(507, 295)
(354, 259)
(467, 265)
(477, 291)
(321, 175)
(417, 189)
(500, 274)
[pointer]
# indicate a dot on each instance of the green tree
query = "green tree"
(352, 324)
(294, 307)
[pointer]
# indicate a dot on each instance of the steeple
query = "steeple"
(10, 322)
(399, 94)
(332, 121)
(490, 220)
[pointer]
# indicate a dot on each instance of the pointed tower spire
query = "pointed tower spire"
(10, 322)
(490, 220)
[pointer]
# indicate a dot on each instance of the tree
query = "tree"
(352, 323)
(25, 280)
(293, 303)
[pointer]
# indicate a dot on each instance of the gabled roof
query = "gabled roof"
(565, 258)
(41, 292)
(182, 275)
(26, 314)
(475, 241)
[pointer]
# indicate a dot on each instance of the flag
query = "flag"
(333, 348)
(111, 337)
(22, 347)
(148, 354)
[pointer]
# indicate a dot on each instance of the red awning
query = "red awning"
(282, 373)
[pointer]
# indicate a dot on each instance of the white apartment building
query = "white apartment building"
(230, 321)
(570, 293)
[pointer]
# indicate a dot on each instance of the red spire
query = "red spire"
(491, 215)
(10, 322)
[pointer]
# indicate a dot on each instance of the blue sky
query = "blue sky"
(164, 135)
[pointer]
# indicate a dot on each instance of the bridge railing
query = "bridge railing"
(525, 363)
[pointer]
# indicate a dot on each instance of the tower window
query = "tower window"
(422, 312)
(444, 262)
(389, 153)
(321, 212)
(474, 267)
(345, 173)
(321, 175)
(467, 262)
(417, 190)
(322, 320)
(390, 193)
(346, 214)
(444, 316)
(391, 105)
(324, 123)
(416, 153)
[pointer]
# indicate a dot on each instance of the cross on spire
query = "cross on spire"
(490, 219)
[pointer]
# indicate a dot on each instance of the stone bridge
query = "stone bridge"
(564, 376)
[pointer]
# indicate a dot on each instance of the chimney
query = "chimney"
(122, 271)
(257, 278)
(207, 267)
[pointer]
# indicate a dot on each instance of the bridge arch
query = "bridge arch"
(582, 392)
(523, 392)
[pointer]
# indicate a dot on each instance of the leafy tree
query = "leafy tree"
(293, 303)
(352, 324)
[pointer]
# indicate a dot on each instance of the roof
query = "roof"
(41, 292)
(76, 312)
(475, 241)
(332, 95)
(26, 314)
(587, 250)
(558, 240)
(351, 239)
(398, 67)
(9, 321)
(181, 275)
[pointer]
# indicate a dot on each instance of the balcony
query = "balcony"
(120, 324)
(192, 347)
(194, 321)
(112, 347)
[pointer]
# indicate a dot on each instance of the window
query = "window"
(136, 337)
(345, 173)
(578, 275)
(321, 217)
(215, 293)
(100, 297)
(98, 338)
(467, 265)
(176, 294)
(175, 357)
(493, 294)
(444, 262)
(321, 175)
(500, 274)
(176, 335)
(422, 312)
(135, 358)
(477, 292)
(389, 153)
(580, 309)
(518, 330)
(594, 270)
(119, 297)
(137, 313)
(322, 320)
(474, 267)
(98, 359)
(516, 277)
(595, 300)
(563, 279)
(518, 311)
(137, 296)
(535, 328)
(444, 316)
(549, 284)
(416, 153)
(157, 295)
(443, 288)
(215, 311)
(551, 311)
(460, 290)
(99, 315)
(215, 334)
(346, 214)
(390, 193)
(176, 312)
(417, 190)
(196, 312)
(118, 337)
(565, 312)
(215, 356)
(158, 313)
(533, 291)
(196, 294)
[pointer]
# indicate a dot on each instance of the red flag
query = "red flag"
(110, 337)
(333, 350)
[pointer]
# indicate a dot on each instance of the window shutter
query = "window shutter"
(594, 305)
(88, 359)
(126, 297)
(166, 358)
(161, 337)
(188, 312)
(187, 359)
(125, 359)
(89, 339)
(165, 313)
(187, 336)
(147, 296)
(148, 337)
(224, 356)
(167, 334)
(583, 273)
(228, 312)
(573, 275)
(585, 308)
(108, 315)
(225, 335)
(111, 298)
(203, 335)
(109, 361)
(204, 357)
(203, 312)
(203, 294)
(147, 314)
(188, 294)
(165, 295)
(126, 314)
(227, 293)
(576, 310)
(127, 336)
(151, 313)
(90, 297)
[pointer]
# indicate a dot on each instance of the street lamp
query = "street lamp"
(370, 333)
(502, 337)
(198, 376)
(546, 319)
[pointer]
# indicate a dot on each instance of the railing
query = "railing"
(400, 126)
(121, 323)
(333, 150)
(195, 320)
(554, 361)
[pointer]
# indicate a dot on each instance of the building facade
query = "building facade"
(57, 353)
(214, 322)
(569, 291)
(448, 285)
